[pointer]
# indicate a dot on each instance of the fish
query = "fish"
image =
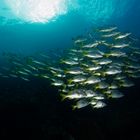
(60, 75)
(79, 78)
(116, 53)
(32, 67)
(111, 35)
(56, 69)
(91, 45)
(71, 96)
(134, 75)
(38, 62)
(4, 76)
(93, 102)
(80, 104)
(23, 73)
(13, 75)
(44, 76)
(17, 63)
(103, 61)
(133, 65)
(93, 68)
(99, 97)
(70, 62)
(116, 94)
(27, 70)
(70, 85)
(25, 79)
(74, 71)
(57, 82)
(75, 58)
(94, 55)
(108, 29)
(80, 41)
(137, 52)
(102, 85)
(120, 45)
(126, 83)
(113, 71)
(119, 77)
(92, 80)
(76, 50)
(113, 85)
(98, 105)
(122, 36)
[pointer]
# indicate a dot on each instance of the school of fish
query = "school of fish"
(91, 72)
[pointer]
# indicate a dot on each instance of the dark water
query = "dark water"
(33, 110)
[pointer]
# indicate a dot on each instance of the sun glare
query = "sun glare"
(40, 11)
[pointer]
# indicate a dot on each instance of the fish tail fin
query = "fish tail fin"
(65, 71)
(73, 107)
(64, 86)
(96, 88)
(70, 81)
(103, 74)
(107, 55)
(84, 53)
(96, 30)
(115, 38)
(62, 61)
(29, 60)
(63, 97)
(54, 74)
(95, 62)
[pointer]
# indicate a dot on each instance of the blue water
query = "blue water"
(29, 38)
(32, 106)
